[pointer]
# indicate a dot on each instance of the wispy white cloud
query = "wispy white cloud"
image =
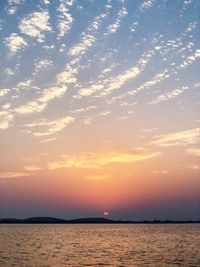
(134, 26)
(13, 6)
(41, 103)
(4, 91)
(88, 38)
(109, 69)
(97, 161)
(67, 76)
(173, 93)
(42, 64)
(141, 64)
(81, 47)
(15, 43)
(32, 168)
(193, 151)
(150, 130)
(99, 177)
(178, 138)
(191, 26)
(65, 18)
(46, 2)
(9, 72)
(108, 85)
(50, 127)
(187, 2)
(146, 4)
(105, 113)
(48, 140)
(35, 24)
(112, 28)
(12, 174)
(169, 95)
(24, 84)
(194, 167)
(190, 59)
(87, 120)
(6, 106)
(6, 118)
(155, 80)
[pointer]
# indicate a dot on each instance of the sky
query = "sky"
(99, 109)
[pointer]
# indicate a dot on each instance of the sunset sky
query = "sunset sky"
(99, 108)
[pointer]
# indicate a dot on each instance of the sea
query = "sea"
(63, 245)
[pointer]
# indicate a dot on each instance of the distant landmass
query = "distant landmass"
(98, 220)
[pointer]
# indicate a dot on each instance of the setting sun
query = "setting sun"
(106, 213)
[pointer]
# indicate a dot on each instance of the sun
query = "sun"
(106, 213)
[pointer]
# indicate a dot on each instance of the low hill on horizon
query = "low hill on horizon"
(92, 220)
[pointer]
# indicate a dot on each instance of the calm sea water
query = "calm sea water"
(99, 245)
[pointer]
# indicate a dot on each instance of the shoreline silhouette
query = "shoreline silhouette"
(93, 220)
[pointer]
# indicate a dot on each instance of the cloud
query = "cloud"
(159, 77)
(65, 18)
(6, 117)
(46, 2)
(81, 47)
(146, 4)
(24, 84)
(9, 72)
(41, 103)
(99, 160)
(4, 91)
(67, 76)
(48, 140)
(31, 107)
(42, 64)
(141, 64)
(122, 118)
(13, 5)
(194, 167)
(108, 85)
(179, 138)
(121, 79)
(191, 26)
(112, 28)
(134, 26)
(32, 168)
(15, 43)
(88, 38)
(50, 127)
(149, 130)
(76, 52)
(190, 59)
(35, 24)
(105, 113)
(193, 151)
(98, 177)
(87, 120)
(109, 69)
(187, 2)
(12, 174)
(169, 95)
(6, 106)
